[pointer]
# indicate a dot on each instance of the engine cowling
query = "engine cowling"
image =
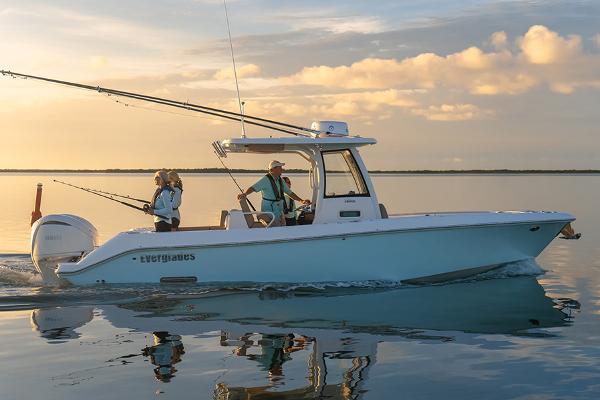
(60, 238)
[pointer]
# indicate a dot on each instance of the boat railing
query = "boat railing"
(441, 213)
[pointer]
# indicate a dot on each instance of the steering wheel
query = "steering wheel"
(306, 208)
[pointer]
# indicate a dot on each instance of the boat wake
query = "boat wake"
(18, 270)
(520, 268)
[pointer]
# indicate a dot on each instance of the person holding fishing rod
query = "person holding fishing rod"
(177, 187)
(161, 205)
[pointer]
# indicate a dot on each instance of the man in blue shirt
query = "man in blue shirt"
(273, 189)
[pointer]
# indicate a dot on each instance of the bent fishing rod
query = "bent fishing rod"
(249, 119)
(101, 195)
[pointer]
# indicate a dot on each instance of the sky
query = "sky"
(474, 84)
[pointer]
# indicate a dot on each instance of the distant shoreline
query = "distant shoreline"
(299, 171)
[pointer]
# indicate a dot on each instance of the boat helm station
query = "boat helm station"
(341, 187)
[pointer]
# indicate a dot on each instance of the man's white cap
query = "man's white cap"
(275, 163)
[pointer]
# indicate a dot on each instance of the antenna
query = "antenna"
(237, 87)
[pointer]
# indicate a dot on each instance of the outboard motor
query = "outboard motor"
(60, 238)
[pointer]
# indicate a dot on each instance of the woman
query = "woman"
(290, 206)
(161, 205)
(177, 187)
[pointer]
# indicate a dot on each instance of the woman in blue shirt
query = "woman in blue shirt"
(161, 205)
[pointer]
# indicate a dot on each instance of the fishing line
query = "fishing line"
(239, 187)
(119, 195)
(101, 195)
(108, 97)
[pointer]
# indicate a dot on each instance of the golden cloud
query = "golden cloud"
(499, 40)
(543, 57)
(356, 105)
(98, 61)
(543, 46)
(452, 112)
(245, 71)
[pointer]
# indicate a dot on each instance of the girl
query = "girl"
(177, 186)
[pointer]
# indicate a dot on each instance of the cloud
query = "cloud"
(597, 40)
(330, 20)
(363, 106)
(339, 25)
(452, 112)
(73, 24)
(455, 160)
(543, 46)
(502, 83)
(98, 61)
(246, 71)
(470, 69)
(499, 40)
(544, 57)
(434, 87)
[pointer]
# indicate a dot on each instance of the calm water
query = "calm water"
(529, 330)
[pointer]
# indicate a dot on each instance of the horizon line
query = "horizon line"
(296, 170)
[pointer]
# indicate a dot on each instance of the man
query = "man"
(273, 190)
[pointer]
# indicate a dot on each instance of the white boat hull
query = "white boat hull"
(410, 248)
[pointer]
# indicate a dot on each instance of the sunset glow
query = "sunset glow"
(484, 84)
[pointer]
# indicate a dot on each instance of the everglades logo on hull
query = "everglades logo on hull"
(165, 258)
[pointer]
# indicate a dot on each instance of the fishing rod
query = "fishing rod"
(101, 195)
(120, 195)
(219, 149)
(239, 117)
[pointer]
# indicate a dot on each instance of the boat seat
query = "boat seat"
(383, 211)
(221, 226)
(262, 221)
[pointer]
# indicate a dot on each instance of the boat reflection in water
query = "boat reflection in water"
(164, 353)
(485, 306)
(322, 343)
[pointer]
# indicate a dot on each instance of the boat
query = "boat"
(348, 235)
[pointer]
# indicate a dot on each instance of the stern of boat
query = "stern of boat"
(59, 238)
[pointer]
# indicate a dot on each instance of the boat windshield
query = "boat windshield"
(342, 175)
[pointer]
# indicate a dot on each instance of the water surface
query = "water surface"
(527, 331)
